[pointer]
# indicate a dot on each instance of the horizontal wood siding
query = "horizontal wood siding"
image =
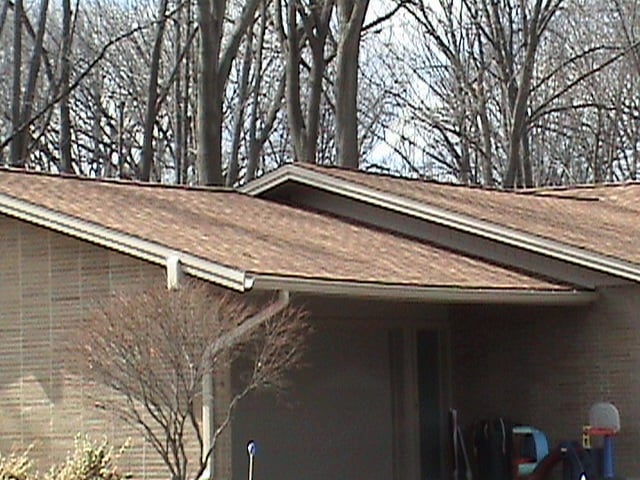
(48, 282)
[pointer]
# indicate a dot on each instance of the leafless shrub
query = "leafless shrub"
(155, 347)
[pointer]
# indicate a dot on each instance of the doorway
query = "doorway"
(417, 367)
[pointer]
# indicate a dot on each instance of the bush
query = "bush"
(17, 467)
(90, 461)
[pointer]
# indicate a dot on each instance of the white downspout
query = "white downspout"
(174, 272)
(174, 278)
(208, 423)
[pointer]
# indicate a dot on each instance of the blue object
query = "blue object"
(251, 448)
(542, 445)
(534, 445)
(607, 457)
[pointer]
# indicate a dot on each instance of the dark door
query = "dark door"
(429, 367)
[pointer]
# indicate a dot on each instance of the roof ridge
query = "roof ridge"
(326, 169)
(393, 176)
(535, 191)
(116, 181)
(581, 186)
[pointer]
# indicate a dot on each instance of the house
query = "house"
(425, 297)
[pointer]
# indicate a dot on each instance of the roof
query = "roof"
(238, 240)
(594, 226)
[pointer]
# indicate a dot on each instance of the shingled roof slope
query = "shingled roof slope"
(603, 219)
(260, 236)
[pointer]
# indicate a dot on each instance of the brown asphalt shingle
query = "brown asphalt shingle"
(603, 219)
(259, 236)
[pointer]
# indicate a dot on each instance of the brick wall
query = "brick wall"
(547, 366)
(47, 283)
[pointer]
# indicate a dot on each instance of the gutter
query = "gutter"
(371, 290)
(440, 216)
(124, 243)
(242, 281)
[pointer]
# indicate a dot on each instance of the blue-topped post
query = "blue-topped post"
(251, 450)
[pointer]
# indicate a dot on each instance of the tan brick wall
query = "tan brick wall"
(48, 282)
(547, 366)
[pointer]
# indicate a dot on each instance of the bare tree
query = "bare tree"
(65, 72)
(152, 95)
(29, 97)
(243, 94)
(215, 65)
(304, 24)
(3, 14)
(16, 149)
(156, 347)
(258, 137)
(507, 83)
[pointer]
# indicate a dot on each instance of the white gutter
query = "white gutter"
(241, 281)
(440, 216)
(370, 290)
(121, 242)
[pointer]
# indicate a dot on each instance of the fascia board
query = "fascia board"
(121, 242)
(491, 231)
(422, 293)
(270, 180)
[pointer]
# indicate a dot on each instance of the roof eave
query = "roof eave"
(440, 294)
(491, 231)
(270, 180)
(122, 242)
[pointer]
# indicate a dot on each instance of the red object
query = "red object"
(544, 468)
(601, 432)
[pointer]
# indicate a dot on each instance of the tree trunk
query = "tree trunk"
(16, 148)
(186, 117)
(65, 68)
(304, 131)
(3, 14)
(215, 66)
(121, 149)
(485, 127)
(519, 172)
(256, 142)
(32, 80)
(209, 96)
(294, 103)
(178, 111)
(254, 149)
(351, 14)
(310, 147)
(243, 88)
(152, 95)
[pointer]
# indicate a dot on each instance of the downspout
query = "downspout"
(208, 420)
(174, 278)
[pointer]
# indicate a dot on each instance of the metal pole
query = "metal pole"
(607, 457)
(251, 450)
